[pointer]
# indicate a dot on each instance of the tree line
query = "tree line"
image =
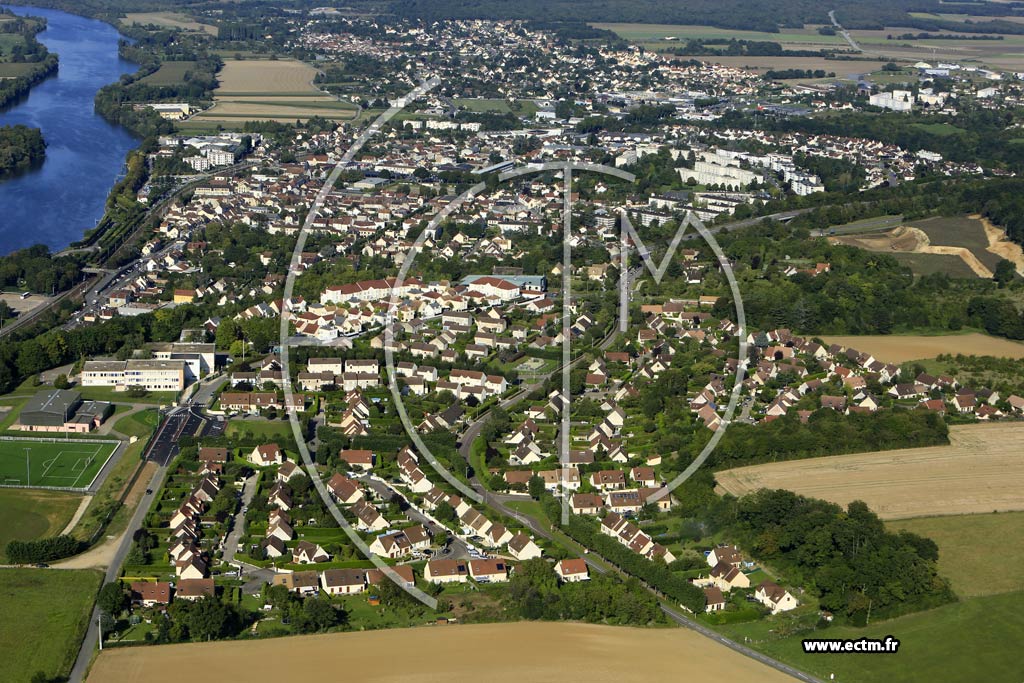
(21, 147)
(42, 549)
(846, 557)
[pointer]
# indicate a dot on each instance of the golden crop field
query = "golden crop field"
(271, 90)
(557, 651)
(980, 471)
(168, 20)
(892, 348)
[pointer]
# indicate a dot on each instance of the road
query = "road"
(458, 549)
(181, 421)
(238, 528)
(843, 32)
(203, 396)
(85, 653)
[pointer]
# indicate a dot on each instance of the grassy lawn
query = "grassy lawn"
(498, 106)
(965, 544)
(108, 494)
(951, 643)
(280, 430)
(8, 417)
(30, 514)
(140, 424)
(44, 617)
(928, 264)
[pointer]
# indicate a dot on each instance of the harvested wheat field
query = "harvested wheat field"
(557, 652)
(271, 90)
(902, 348)
(168, 20)
(980, 471)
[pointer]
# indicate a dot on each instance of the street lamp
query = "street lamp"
(67, 436)
(28, 467)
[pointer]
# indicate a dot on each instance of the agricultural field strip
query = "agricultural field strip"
(980, 471)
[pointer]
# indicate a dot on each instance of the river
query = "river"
(56, 203)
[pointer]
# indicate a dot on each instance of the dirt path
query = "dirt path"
(78, 515)
(999, 245)
(99, 556)
(533, 651)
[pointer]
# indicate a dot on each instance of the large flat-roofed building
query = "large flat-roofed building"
(152, 375)
(62, 411)
(199, 357)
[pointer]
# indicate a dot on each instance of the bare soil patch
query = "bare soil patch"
(546, 652)
(980, 471)
(22, 305)
(912, 240)
(1000, 246)
(900, 348)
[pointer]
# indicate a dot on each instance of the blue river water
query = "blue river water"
(56, 203)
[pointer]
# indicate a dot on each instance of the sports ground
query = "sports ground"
(53, 462)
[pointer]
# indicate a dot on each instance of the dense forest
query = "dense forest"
(21, 147)
(759, 15)
(846, 557)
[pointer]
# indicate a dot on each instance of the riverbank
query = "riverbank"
(27, 64)
(64, 197)
(516, 652)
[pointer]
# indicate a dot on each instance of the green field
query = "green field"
(30, 514)
(8, 41)
(169, 73)
(659, 32)
(929, 264)
(43, 615)
(959, 231)
(521, 107)
(965, 641)
(9, 70)
(140, 424)
(965, 544)
(281, 430)
(52, 463)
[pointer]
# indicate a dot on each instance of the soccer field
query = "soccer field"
(53, 462)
